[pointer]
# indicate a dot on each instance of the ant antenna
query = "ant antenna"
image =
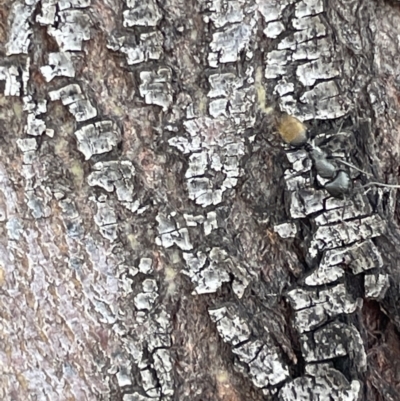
(369, 184)
(354, 167)
(381, 184)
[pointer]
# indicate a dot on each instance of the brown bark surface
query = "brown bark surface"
(151, 245)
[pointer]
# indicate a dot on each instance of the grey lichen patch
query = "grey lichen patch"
(156, 87)
(60, 64)
(318, 48)
(72, 220)
(149, 47)
(146, 265)
(142, 13)
(145, 300)
(329, 384)
(21, 31)
(360, 257)
(345, 233)
(135, 396)
(212, 149)
(223, 85)
(37, 196)
(71, 96)
(38, 203)
(14, 229)
(324, 274)
(73, 27)
(350, 209)
(313, 308)
(67, 94)
(64, 4)
(305, 8)
(307, 29)
(114, 176)
(82, 110)
(210, 223)
(334, 340)
(27, 144)
(227, 44)
(331, 104)
(171, 234)
(307, 201)
(376, 285)
(13, 85)
(324, 100)
(309, 73)
(98, 138)
(232, 328)
(274, 29)
(106, 219)
(286, 230)
(202, 192)
(147, 345)
(225, 12)
(276, 63)
(34, 126)
(265, 365)
(207, 273)
(48, 15)
(232, 101)
(272, 10)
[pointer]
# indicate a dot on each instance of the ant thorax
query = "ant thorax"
(330, 156)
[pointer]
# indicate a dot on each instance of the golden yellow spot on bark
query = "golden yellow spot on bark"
(225, 390)
(76, 170)
(170, 278)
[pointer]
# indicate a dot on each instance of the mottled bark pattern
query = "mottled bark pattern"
(159, 240)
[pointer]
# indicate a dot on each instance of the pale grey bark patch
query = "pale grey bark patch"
(313, 308)
(106, 218)
(72, 96)
(73, 28)
(114, 176)
(10, 75)
(325, 383)
(376, 285)
(60, 64)
(286, 230)
(341, 234)
(149, 47)
(21, 30)
(262, 359)
(98, 138)
(335, 340)
(140, 14)
(155, 87)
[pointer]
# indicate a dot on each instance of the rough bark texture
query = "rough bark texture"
(159, 241)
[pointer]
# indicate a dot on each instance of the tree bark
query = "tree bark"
(160, 240)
